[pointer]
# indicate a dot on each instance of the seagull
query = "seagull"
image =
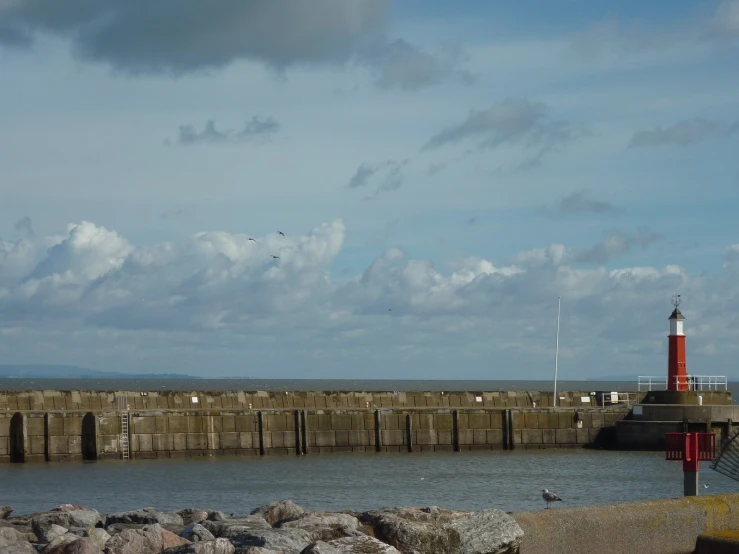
(280, 233)
(255, 240)
(706, 485)
(550, 497)
(275, 257)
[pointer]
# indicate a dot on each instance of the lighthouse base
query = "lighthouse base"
(688, 397)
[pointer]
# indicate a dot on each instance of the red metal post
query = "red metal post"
(691, 449)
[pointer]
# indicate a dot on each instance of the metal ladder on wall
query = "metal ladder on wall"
(123, 409)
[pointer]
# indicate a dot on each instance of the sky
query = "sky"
(369, 189)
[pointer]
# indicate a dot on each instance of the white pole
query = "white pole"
(556, 352)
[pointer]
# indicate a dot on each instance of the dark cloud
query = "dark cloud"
(513, 121)
(684, 133)
(24, 225)
(579, 202)
(383, 177)
(254, 128)
(615, 244)
(176, 37)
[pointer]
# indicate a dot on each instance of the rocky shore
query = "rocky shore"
(278, 528)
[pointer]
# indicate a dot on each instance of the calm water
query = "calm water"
(506, 480)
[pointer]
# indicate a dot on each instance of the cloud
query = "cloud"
(173, 37)
(404, 66)
(254, 128)
(578, 202)
(220, 299)
(515, 121)
(383, 177)
(25, 226)
(615, 244)
(684, 133)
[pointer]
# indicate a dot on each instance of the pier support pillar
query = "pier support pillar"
(260, 423)
(18, 438)
(378, 431)
(690, 487)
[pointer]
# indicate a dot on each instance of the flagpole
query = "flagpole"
(556, 353)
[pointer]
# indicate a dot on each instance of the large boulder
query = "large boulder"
(196, 533)
(218, 546)
(150, 539)
(215, 515)
(148, 516)
(45, 533)
(18, 548)
(321, 547)
(99, 536)
(276, 512)
(67, 518)
(436, 531)
(116, 528)
(5, 511)
(324, 526)
(193, 515)
(59, 544)
(362, 545)
(10, 536)
(248, 523)
(79, 546)
(287, 541)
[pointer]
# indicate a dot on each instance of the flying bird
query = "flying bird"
(255, 240)
(550, 497)
(280, 233)
(276, 257)
(706, 485)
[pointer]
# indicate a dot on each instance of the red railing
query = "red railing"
(690, 448)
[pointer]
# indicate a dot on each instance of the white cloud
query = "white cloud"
(222, 295)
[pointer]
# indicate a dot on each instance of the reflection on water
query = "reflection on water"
(464, 480)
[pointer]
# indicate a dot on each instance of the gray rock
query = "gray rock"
(5, 511)
(320, 547)
(249, 523)
(58, 544)
(67, 519)
(362, 545)
(193, 515)
(489, 531)
(18, 548)
(276, 512)
(10, 536)
(196, 533)
(287, 541)
(150, 539)
(47, 533)
(148, 516)
(99, 536)
(256, 550)
(437, 531)
(218, 546)
(324, 526)
(215, 515)
(79, 546)
(116, 528)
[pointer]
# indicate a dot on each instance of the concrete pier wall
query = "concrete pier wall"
(37, 436)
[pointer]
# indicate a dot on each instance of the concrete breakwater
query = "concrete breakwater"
(76, 425)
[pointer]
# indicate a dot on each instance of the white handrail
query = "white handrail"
(691, 382)
(650, 381)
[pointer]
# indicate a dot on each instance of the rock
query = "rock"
(488, 531)
(66, 518)
(69, 508)
(362, 545)
(249, 523)
(256, 550)
(9, 536)
(47, 533)
(287, 541)
(218, 546)
(192, 515)
(99, 536)
(148, 516)
(276, 512)
(118, 527)
(196, 533)
(216, 516)
(320, 547)
(5, 511)
(79, 546)
(438, 531)
(324, 526)
(18, 548)
(150, 539)
(59, 543)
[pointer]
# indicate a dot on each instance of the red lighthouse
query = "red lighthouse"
(677, 367)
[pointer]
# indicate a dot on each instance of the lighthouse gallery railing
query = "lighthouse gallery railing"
(693, 382)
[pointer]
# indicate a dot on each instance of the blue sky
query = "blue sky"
(481, 158)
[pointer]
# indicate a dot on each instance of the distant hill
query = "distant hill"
(40, 371)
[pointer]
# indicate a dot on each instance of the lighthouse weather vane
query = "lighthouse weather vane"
(676, 300)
